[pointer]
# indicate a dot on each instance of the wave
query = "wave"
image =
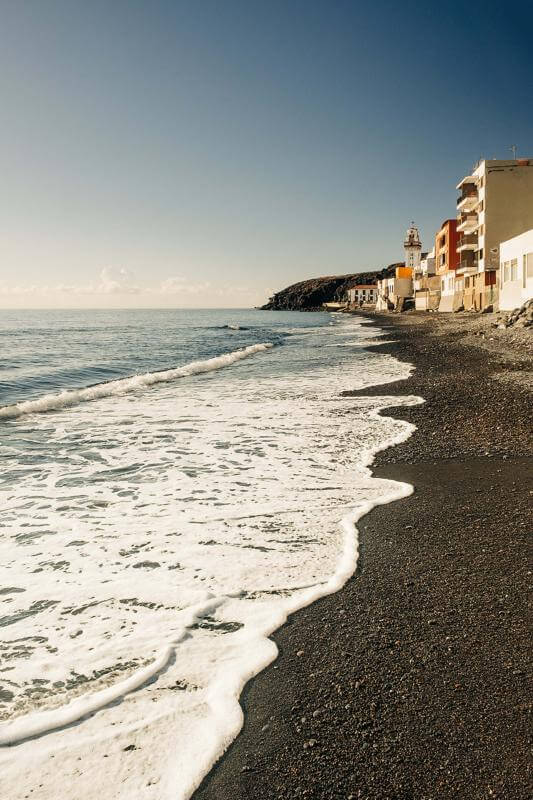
(71, 397)
(42, 722)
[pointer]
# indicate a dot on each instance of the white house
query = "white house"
(426, 284)
(516, 271)
(366, 293)
(447, 290)
(427, 265)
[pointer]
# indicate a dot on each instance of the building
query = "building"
(363, 294)
(382, 301)
(495, 205)
(397, 284)
(426, 284)
(413, 249)
(446, 263)
(427, 265)
(516, 271)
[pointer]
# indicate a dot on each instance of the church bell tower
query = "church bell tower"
(413, 248)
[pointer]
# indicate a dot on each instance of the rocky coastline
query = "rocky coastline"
(309, 295)
(413, 680)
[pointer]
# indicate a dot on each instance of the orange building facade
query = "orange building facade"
(446, 242)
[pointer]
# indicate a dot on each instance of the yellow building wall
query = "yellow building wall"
(404, 272)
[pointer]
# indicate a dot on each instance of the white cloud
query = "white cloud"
(179, 285)
(110, 282)
(116, 282)
(117, 287)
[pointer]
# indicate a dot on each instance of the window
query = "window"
(442, 285)
(528, 265)
(514, 269)
(506, 272)
(480, 253)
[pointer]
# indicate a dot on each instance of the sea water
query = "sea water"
(173, 485)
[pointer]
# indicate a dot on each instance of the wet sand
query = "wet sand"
(414, 680)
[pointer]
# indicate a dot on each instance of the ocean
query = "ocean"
(174, 484)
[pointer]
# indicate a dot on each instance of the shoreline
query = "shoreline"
(411, 681)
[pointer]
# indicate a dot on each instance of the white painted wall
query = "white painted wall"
(366, 295)
(447, 290)
(516, 271)
(427, 265)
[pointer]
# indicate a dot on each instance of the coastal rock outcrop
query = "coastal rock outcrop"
(521, 317)
(310, 294)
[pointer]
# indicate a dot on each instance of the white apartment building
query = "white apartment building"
(516, 271)
(496, 204)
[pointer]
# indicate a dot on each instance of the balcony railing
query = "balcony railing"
(467, 200)
(467, 224)
(468, 265)
(467, 242)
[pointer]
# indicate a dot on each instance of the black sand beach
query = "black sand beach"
(414, 680)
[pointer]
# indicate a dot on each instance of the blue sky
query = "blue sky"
(206, 153)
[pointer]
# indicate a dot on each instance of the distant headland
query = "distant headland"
(309, 295)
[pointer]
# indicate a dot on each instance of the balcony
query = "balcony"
(468, 224)
(468, 264)
(468, 180)
(467, 242)
(467, 201)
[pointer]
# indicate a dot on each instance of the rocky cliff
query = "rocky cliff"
(309, 295)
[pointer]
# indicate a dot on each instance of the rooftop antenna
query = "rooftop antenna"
(514, 149)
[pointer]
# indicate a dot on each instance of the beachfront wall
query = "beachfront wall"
(400, 287)
(451, 291)
(447, 290)
(516, 271)
(459, 291)
(427, 293)
(480, 291)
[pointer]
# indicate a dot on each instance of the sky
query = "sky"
(207, 153)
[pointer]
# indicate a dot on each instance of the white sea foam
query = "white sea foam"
(158, 540)
(52, 402)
